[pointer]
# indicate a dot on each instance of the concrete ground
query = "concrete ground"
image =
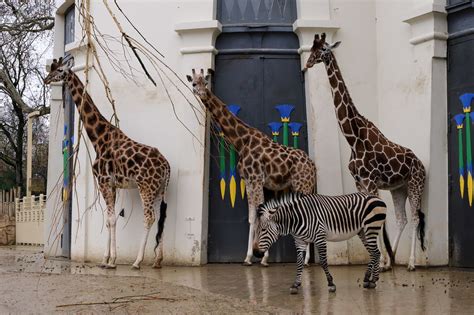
(31, 285)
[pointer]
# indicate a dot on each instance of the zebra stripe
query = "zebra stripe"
(316, 219)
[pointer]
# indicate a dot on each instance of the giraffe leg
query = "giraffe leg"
(255, 198)
(399, 197)
(148, 198)
(248, 257)
(110, 253)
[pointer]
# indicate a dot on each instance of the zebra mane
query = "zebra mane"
(272, 205)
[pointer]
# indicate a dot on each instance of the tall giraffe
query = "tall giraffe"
(262, 162)
(376, 162)
(120, 163)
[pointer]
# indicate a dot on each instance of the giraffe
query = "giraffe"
(376, 163)
(120, 163)
(262, 163)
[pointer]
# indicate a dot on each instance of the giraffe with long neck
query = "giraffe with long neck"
(262, 162)
(120, 163)
(376, 162)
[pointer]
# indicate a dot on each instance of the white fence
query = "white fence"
(30, 220)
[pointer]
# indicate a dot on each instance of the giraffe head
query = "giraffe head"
(321, 51)
(200, 82)
(58, 71)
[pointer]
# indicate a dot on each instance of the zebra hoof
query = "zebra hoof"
(110, 266)
(264, 264)
(332, 288)
(369, 285)
(307, 265)
(293, 290)
(385, 268)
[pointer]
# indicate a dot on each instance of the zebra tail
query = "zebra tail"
(161, 223)
(388, 247)
(421, 229)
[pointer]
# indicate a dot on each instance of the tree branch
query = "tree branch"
(7, 133)
(35, 25)
(8, 160)
(11, 90)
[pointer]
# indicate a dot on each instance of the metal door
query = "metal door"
(460, 108)
(257, 83)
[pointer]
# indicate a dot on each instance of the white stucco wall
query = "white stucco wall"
(393, 62)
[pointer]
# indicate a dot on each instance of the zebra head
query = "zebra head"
(266, 228)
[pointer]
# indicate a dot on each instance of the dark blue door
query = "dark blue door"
(460, 105)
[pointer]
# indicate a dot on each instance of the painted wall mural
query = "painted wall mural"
(463, 122)
(285, 111)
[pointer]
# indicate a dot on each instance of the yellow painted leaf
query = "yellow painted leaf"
(232, 190)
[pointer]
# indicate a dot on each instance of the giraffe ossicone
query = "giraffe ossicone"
(376, 163)
(120, 163)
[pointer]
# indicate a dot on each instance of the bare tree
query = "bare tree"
(24, 40)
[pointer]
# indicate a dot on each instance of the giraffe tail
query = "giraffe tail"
(417, 183)
(388, 247)
(161, 223)
(421, 229)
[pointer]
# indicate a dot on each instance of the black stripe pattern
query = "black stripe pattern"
(317, 219)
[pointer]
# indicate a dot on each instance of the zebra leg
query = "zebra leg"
(299, 271)
(321, 247)
(372, 275)
(368, 273)
(300, 251)
(308, 254)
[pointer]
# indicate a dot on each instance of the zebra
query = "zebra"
(317, 219)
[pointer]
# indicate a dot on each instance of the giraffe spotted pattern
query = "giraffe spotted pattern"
(120, 163)
(262, 162)
(376, 162)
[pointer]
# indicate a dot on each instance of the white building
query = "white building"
(393, 58)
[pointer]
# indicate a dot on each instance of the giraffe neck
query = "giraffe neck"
(234, 129)
(94, 123)
(347, 115)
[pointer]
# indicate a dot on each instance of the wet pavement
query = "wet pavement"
(259, 289)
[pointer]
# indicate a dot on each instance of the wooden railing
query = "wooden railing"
(7, 201)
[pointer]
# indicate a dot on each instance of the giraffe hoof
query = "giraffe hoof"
(136, 267)
(110, 267)
(264, 264)
(307, 265)
(332, 288)
(101, 265)
(156, 266)
(247, 263)
(293, 290)
(411, 268)
(385, 268)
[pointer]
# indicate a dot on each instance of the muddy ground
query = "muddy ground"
(29, 284)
